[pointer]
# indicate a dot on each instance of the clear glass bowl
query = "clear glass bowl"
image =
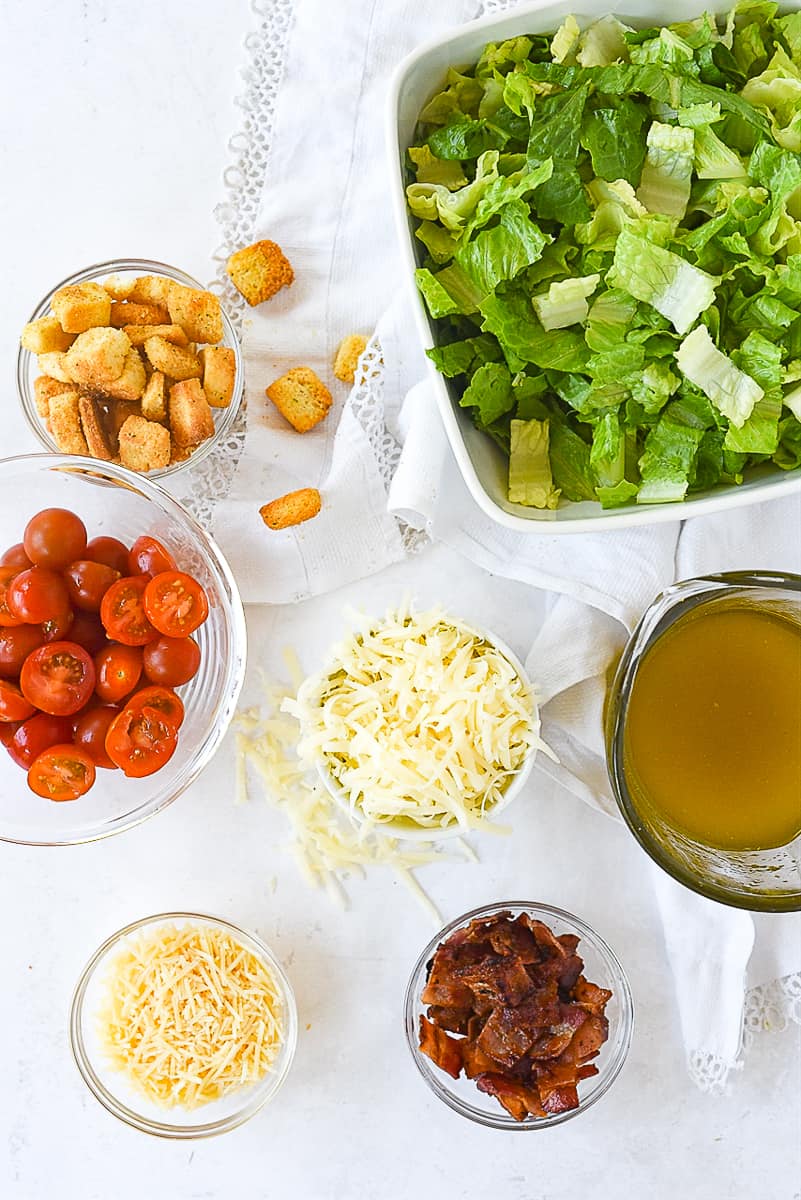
(116, 502)
(110, 1086)
(758, 880)
(601, 967)
(27, 367)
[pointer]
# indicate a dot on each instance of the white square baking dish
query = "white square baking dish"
(481, 463)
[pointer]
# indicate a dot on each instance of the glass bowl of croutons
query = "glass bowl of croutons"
(122, 649)
(131, 362)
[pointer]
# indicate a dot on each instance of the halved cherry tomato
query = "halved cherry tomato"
(58, 678)
(7, 576)
(87, 630)
(87, 583)
(37, 734)
(175, 603)
(54, 538)
(37, 595)
(57, 628)
(16, 643)
(14, 706)
(110, 551)
(171, 661)
(147, 556)
(90, 733)
(122, 612)
(15, 556)
(163, 700)
(117, 671)
(63, 772)
(140, 741)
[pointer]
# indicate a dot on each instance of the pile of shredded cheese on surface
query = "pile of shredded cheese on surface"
(420, 720)
(190, 1015)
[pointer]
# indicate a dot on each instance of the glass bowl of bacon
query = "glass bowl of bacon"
(518, 1015)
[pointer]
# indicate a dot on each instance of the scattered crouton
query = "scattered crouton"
(219, 374)
(44, 388)
(144, 445)
(191, 419)
(97, 357)
(54, 364)
(150, 289)
(171, 333)
(117, 414)
(92, 426)
(123, 314)
(197, 312)
(81, 306)
(259, 271)
(65, 423)
(154, 398)
(44, 336)
(119, 286)
(175, 361)
(301, 397)
(291, 509)
(131, 383)
(180, 454)
(350, 351)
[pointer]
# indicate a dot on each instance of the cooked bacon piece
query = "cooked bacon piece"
(571, 971)
(587, 1071)
(455, 1020)
(561, 1099)
(545, 937)
(442, 1049)
(442, 988)
(516, 1098)
(589, 1037)
(569, 942)
(476, 1062)
(499, 980)
(590, 996)
(515, 938)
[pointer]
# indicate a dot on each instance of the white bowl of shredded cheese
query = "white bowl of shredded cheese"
(183, 1025)
(421, 726)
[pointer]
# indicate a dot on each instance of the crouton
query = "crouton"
(119, 286)
(54, 364)
(144, 445)
(92, 426)
(150, 289)
(123, 314)
(117, 413)
(97, 357)
(154, 398)
(171, 333)
(197, 312)
(301, 398)
(175, 361)
(81, 306)
(65, 423)
(219, 374)
(259, 271)
(350, 351)
(44, 388)
(45, 336)
(180, 453)
(191, 420)
(291, 509)
(131, 383)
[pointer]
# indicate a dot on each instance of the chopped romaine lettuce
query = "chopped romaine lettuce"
(731, 391)
(565, 303)
(530, 479)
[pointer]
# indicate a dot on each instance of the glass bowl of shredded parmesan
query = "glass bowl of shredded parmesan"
(183, 1025)
(420, 725)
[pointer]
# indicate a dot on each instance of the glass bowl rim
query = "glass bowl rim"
(165, 1129)
(621, 989)
(156, 494)
(152, 267)
(692, 590)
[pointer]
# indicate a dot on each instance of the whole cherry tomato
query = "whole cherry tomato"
(87, 630)
(110, 551)
(16, 643)
(54, 538)
(37, 594)
(15, 556)
(171, 661)
(147, 556)
(57, 628)
(87, 583)
(58, 678)
(38, 733)
(90, 733)
(14, 706)
(123, 614)
(175, 603)
(140, 741)
(117, 671)
(62, 772)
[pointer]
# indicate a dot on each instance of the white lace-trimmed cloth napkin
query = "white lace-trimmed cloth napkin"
(310, 174)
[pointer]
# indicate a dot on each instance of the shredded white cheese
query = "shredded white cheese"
(189, 1015)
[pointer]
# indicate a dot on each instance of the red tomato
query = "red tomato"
(87, 583)
(7, 731)
(54, 538)
(15, 556)
(140, 741)
(90, 733)
(57, 628)
(122, 612)
(14, 706)
(117, 671)
(175, 603)
(63, 772)
(162, 700)
(58, 678)
(171, 661)
(109, 551)
(37, 595)
(147, 556)
(87, 630)
(37, 734)
(7, 617)
(16, 643)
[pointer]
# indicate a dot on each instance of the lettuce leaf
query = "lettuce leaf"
(731, 390)
(530, 479)
(662, 279)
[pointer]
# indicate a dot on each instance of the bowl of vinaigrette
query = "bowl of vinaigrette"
(703, 737)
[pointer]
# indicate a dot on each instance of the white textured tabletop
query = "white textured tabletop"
(115, 120)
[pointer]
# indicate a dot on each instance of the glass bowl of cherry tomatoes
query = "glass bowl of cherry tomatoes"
(122, 649)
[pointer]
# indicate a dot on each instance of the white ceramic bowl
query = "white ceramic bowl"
(481, 463)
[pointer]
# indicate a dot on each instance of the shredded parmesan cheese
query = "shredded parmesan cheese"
(190, 1014)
